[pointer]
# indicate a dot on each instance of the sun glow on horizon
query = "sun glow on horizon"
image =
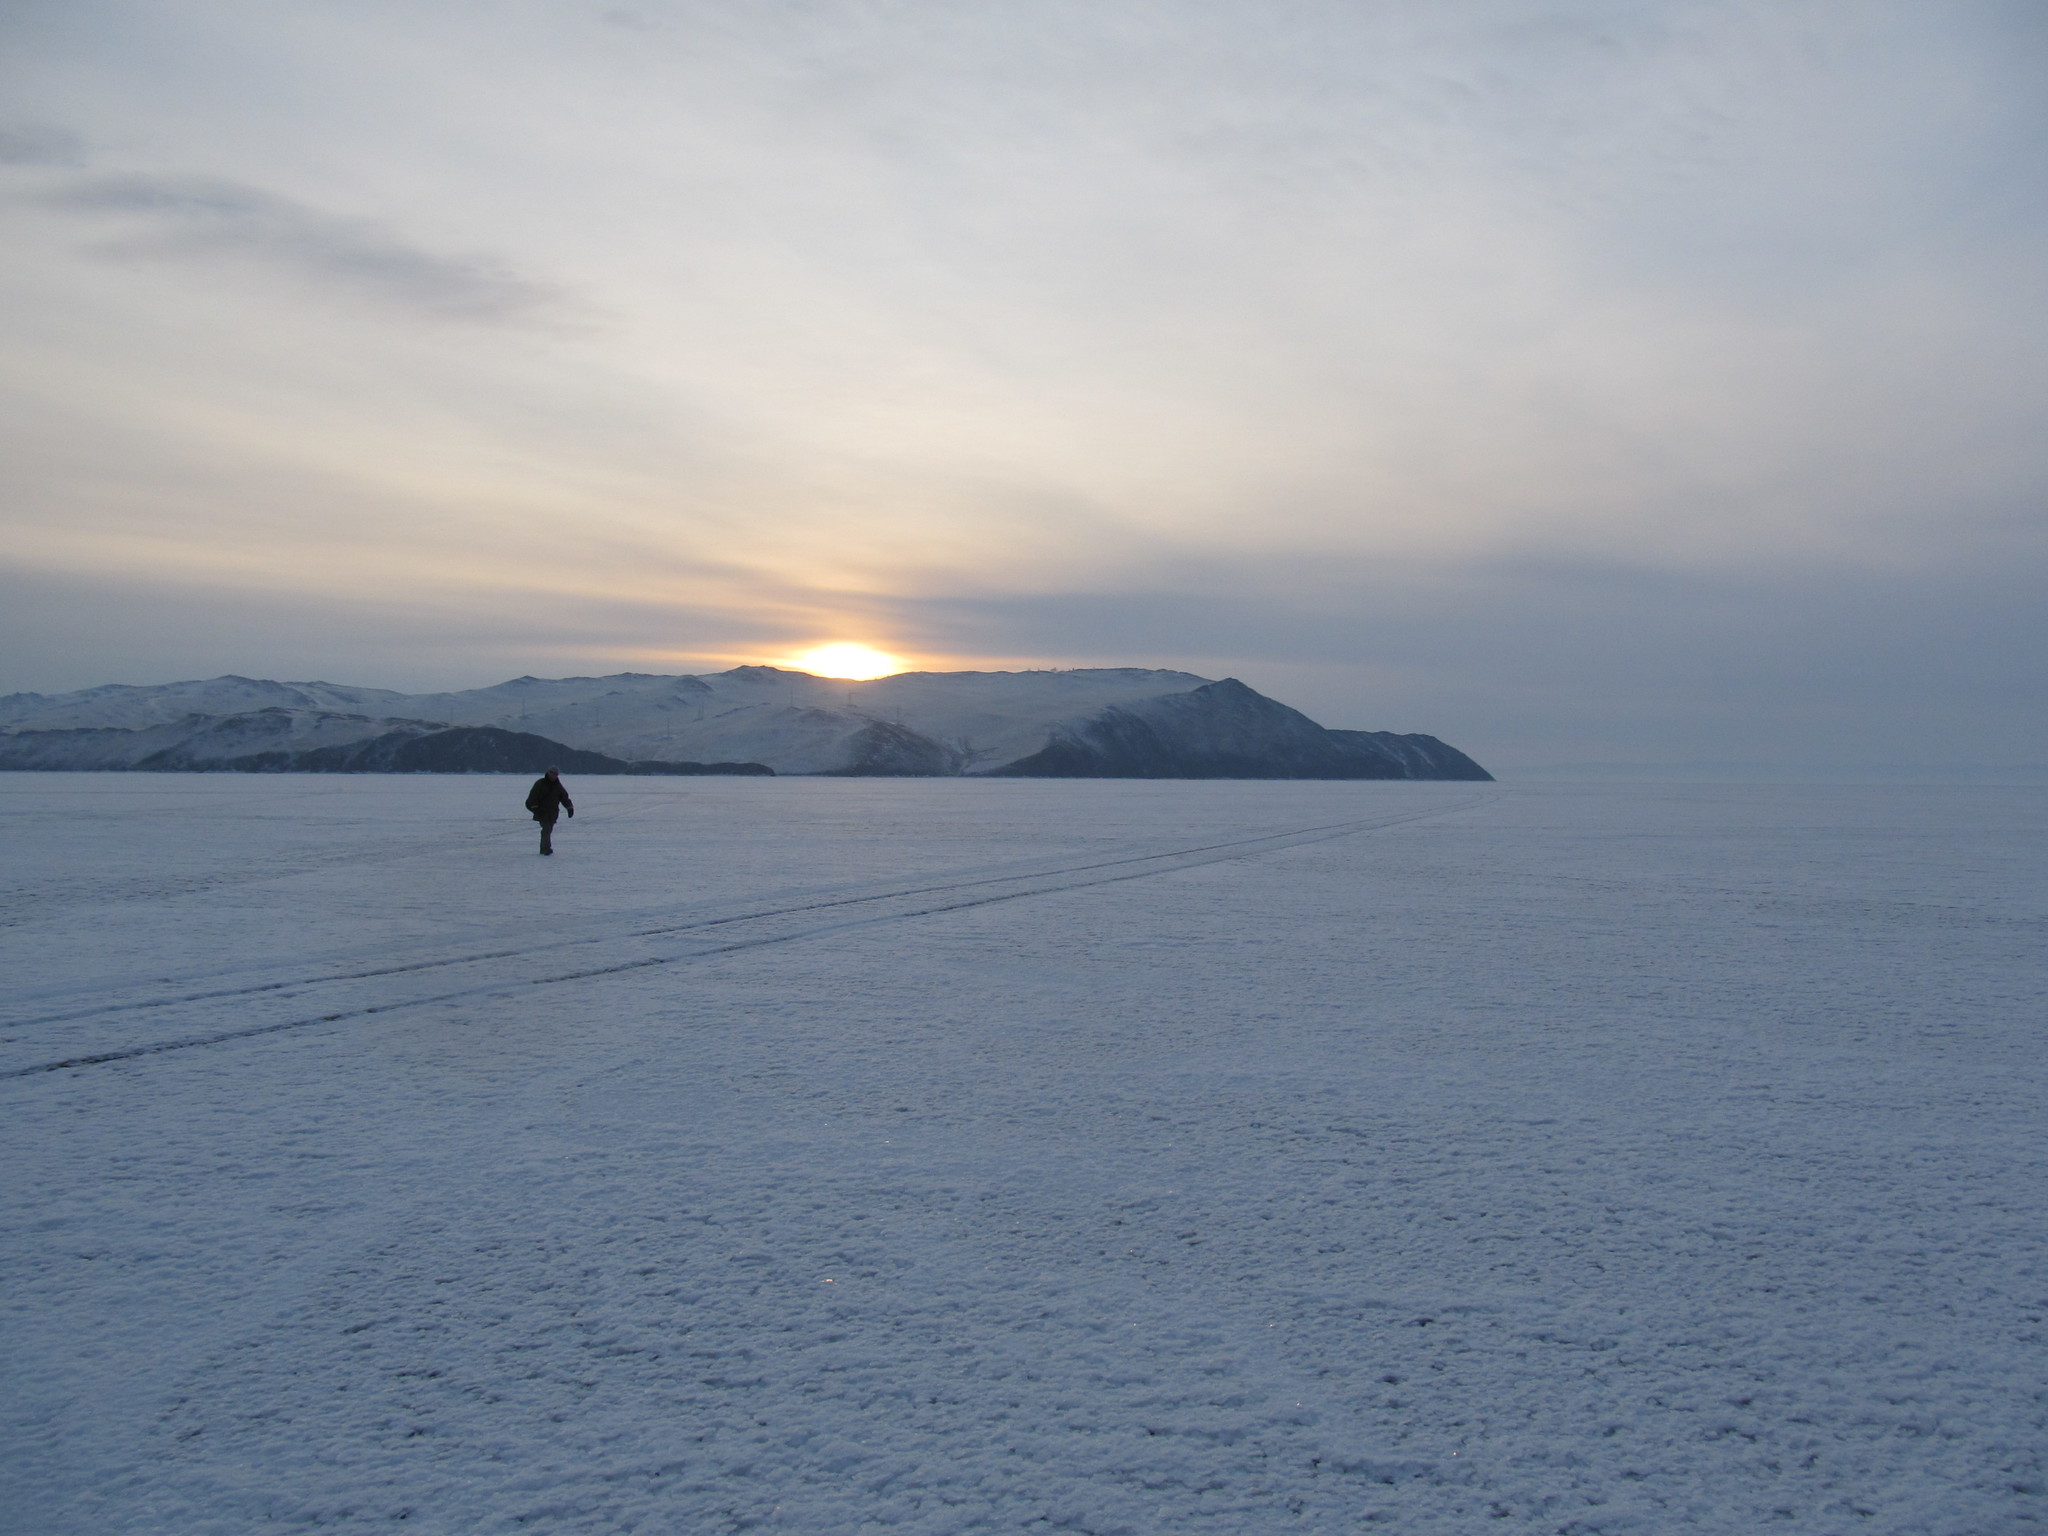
(843, 659)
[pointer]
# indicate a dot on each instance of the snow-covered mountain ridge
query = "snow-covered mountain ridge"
(1105, 722)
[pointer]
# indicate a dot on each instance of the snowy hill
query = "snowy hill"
(126, 707)
(184, 741)
(1107, 722)
(797, 723)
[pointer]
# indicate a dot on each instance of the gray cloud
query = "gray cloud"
(196, 216)
(41, 144)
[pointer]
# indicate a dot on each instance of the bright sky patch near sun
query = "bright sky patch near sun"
(856, 663)
(1570, 378)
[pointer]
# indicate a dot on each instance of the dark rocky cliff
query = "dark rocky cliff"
(1414, 756)
(1225, 730)
(414, 747)
(465, 749)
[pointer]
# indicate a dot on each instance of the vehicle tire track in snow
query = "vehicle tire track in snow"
(500, 829)
(307, 983)
(33, 904)
(1161, 864)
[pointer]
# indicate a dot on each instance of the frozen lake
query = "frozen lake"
(941, 1156)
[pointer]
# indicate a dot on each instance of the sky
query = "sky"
(1576, 380)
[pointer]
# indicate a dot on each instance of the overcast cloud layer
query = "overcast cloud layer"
(1577, 381)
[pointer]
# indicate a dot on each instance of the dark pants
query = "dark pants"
(547, 833)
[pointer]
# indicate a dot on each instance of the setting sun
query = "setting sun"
(856, 663)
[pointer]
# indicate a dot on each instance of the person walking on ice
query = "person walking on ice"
(547, 800)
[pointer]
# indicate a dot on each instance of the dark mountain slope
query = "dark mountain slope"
(1413, 757)
(1221, 730)
(463, 749)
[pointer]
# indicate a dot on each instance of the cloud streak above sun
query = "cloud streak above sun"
(1575, 379)
(201, 218)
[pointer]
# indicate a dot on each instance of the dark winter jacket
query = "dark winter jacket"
(547, 799)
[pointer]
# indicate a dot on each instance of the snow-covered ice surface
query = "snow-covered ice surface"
(954, 1155)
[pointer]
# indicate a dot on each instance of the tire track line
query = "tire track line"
(456, 841)
(30, 904)
(1219, 853)
(261, 989)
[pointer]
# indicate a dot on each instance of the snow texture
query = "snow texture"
(931, 1156)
